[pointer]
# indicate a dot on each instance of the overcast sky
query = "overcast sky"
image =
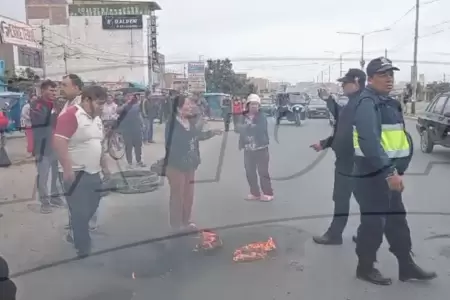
(250, 28)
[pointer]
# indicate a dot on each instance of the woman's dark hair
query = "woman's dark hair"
(178, 102)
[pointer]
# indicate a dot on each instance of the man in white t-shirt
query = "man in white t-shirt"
(78, 143)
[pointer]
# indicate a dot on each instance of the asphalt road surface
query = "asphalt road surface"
(165, 270)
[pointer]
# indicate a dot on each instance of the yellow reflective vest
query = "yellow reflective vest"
(393, 140)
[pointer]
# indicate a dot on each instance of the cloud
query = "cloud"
(237, 28)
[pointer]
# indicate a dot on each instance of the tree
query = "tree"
(435, 88)
(221, 78)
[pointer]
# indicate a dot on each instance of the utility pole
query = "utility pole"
(149, 55)
(44, 71)
(414, 68)
(385, 53)
(444, 77)
(362, 62)
(340, 66)
(329, 73)
(322, 76)
(65, 56)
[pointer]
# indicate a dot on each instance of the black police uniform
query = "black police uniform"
(226, 113)
(342, 144)
(382, 210)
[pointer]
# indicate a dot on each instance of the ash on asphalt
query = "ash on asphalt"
(176, 258)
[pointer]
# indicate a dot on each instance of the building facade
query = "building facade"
(261, 84)
(101, 42)
(19, 48)
(176, 81)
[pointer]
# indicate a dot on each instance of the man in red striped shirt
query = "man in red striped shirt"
(78, 143)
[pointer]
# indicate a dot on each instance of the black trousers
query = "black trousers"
(342, 193)
(227, 121)
(133, 140)
(236, 120)
(382, 212)
(83, 197)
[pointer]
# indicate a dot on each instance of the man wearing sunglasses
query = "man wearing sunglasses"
(383, 151)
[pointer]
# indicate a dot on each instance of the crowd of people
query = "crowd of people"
(372, 147)
(65, 134)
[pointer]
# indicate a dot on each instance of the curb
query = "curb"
(410, 117)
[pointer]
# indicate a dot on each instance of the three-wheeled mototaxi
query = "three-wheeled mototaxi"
(292, 106)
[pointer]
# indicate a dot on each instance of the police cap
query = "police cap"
(380, 65)
(352, 76)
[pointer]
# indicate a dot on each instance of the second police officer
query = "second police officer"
(383, 151)
(342, 144)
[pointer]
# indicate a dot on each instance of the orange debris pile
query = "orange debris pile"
(209, 240)
(254, 251)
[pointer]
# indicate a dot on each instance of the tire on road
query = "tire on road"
(134, 182)
(426, 142)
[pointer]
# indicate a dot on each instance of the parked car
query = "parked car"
(433, 124)
(317, 108)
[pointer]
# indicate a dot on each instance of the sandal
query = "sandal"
(252, 197)
(266, 198)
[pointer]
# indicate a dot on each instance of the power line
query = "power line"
(91, 47)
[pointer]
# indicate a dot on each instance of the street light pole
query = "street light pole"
(414, 68)
(363, 36)
(329, 73)
(362, 62)
(340, 66)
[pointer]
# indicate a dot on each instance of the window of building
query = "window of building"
(29, 57)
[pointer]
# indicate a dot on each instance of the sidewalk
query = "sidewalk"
(30, 239)
(420, 107)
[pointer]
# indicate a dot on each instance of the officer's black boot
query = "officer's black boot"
(408, 270)
(328, 239)
(368, 273)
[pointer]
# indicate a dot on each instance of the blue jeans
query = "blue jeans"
(47, 166)
(148, 129)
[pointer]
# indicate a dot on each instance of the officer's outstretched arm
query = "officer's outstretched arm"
(368, 127)
(333, 107)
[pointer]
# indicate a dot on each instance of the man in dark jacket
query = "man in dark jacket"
(43, 117)
(130, 124)
(383, 151)
(149, 111)
(342, 144)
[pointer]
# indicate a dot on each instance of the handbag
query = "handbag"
(159, 167)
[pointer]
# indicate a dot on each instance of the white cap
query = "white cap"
(253, 98)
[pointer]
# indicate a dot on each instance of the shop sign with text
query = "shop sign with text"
(113, 9)
(122, 22)
(17, 33)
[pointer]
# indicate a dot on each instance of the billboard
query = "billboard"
(122, 22)
(196, 77)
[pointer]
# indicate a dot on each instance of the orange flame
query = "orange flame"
(254, 251)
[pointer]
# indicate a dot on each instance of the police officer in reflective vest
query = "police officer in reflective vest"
(342, 144)
(383, 151)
